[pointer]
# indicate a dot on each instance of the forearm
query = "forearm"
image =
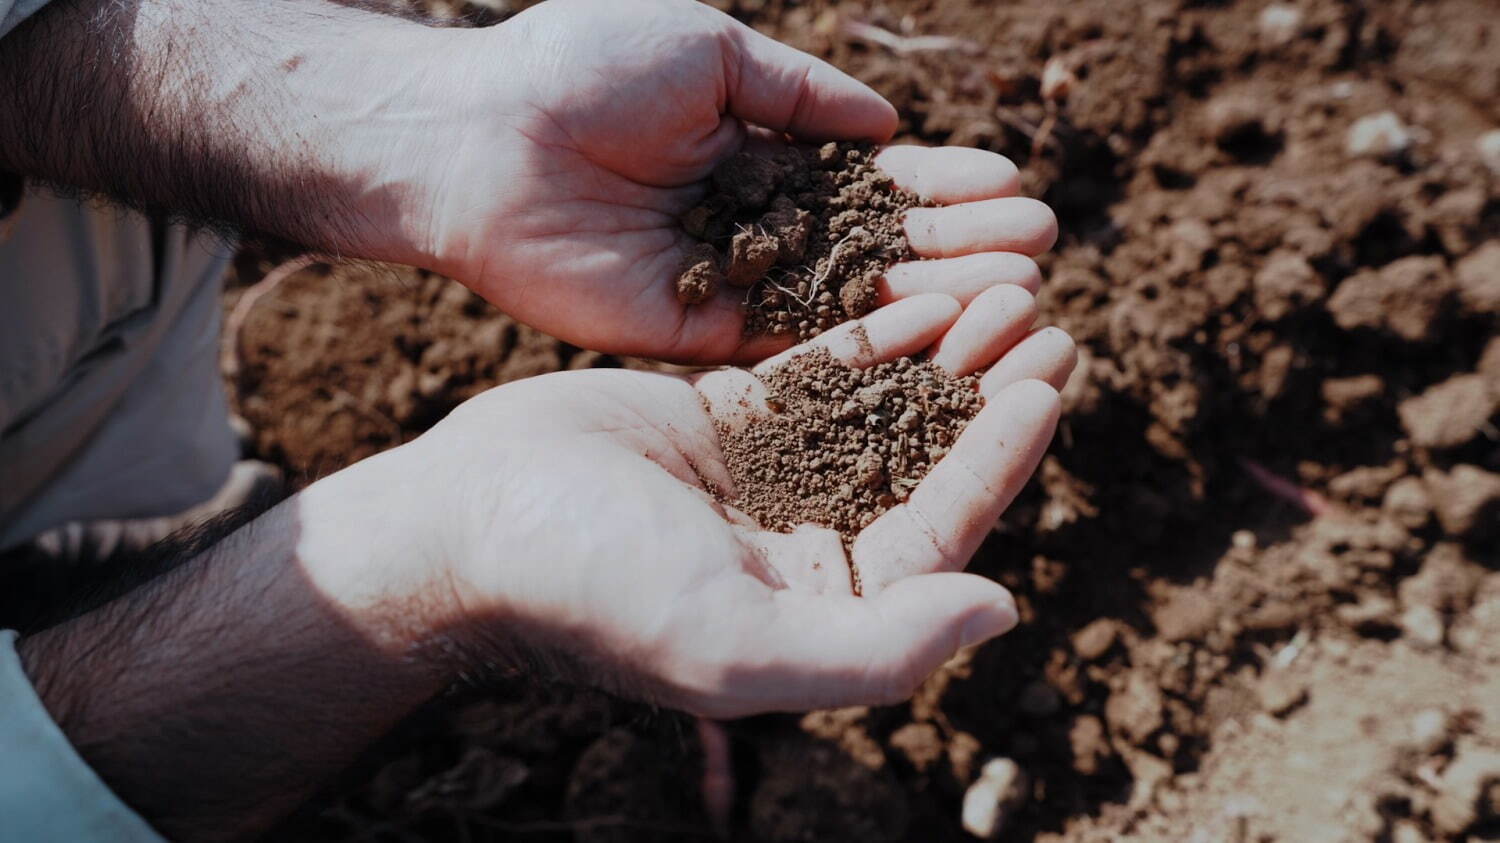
(217, 697)
(283, 117)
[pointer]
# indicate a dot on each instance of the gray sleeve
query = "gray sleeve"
(47, 793)
(12, 12)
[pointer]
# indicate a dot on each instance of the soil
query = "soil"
(842, 445)
(807, 231)
(1258, 575)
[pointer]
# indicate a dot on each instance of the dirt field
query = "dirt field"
(1258, 573)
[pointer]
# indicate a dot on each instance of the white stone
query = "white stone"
(1488, 146)
(1280, 22)
(1380, 135)
(1429, 730)
(1057, 79)
(1423, 626)
(999, 790)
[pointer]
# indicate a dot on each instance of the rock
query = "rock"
(1038, 699)
(993, 797)
(1134, 711)
(1280, 693)
(1405, 297)
(1488, 147)
(1467, 791)
(1057, 79)
(1188, 614)
(1429, 730)
(1423, 626)
(1380, 135)
(1407, 503)
(1451, 413)
(1090, 744)
(1096, 639)
(1467, 500)
(1478, 279)
(1279, 23)
(1285, 284)
(1344, 397)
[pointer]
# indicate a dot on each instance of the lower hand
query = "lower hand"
(576, 533)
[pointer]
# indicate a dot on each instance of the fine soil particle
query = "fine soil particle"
(843, 445)
(806, 231)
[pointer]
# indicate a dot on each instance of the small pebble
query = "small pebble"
(998, 792)
(1380, 135)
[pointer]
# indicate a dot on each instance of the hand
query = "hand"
(586, 127)
(578, 534)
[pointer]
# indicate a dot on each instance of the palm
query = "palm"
(734, 614)
(628, 109)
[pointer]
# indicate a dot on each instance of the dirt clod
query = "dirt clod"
(808, 230)
(700, 275)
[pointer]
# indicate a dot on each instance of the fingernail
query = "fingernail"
(997, 620)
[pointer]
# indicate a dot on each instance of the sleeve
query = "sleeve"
(47, 793)
(12, 12)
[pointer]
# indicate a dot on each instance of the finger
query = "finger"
(781, 88)
(950, 174)
(1048, 355)
(816, 651)
(962, 278)
(941, 525)
(1012, 224)
(905, 327)
(996, 320)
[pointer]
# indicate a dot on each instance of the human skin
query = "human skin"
(557, 527)
(542, 162)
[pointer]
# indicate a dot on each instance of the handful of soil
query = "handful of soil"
(843, 445)
(806, 231)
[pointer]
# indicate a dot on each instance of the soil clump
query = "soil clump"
(843, 445)
(807, 232)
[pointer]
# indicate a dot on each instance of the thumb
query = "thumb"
(822, 651)
(773, 85)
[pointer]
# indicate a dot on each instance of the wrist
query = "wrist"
(369, 542)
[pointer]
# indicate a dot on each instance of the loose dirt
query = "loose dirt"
(807, 232)
(843, 445)
(1201, 654)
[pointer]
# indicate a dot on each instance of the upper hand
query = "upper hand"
(588, 126)
(578, 536)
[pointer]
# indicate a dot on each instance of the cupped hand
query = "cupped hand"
(590, 126)
(581, 538)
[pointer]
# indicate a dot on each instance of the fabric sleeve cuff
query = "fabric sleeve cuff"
(47, 792)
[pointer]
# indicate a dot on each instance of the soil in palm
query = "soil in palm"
(843, 445)
(806, 232)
